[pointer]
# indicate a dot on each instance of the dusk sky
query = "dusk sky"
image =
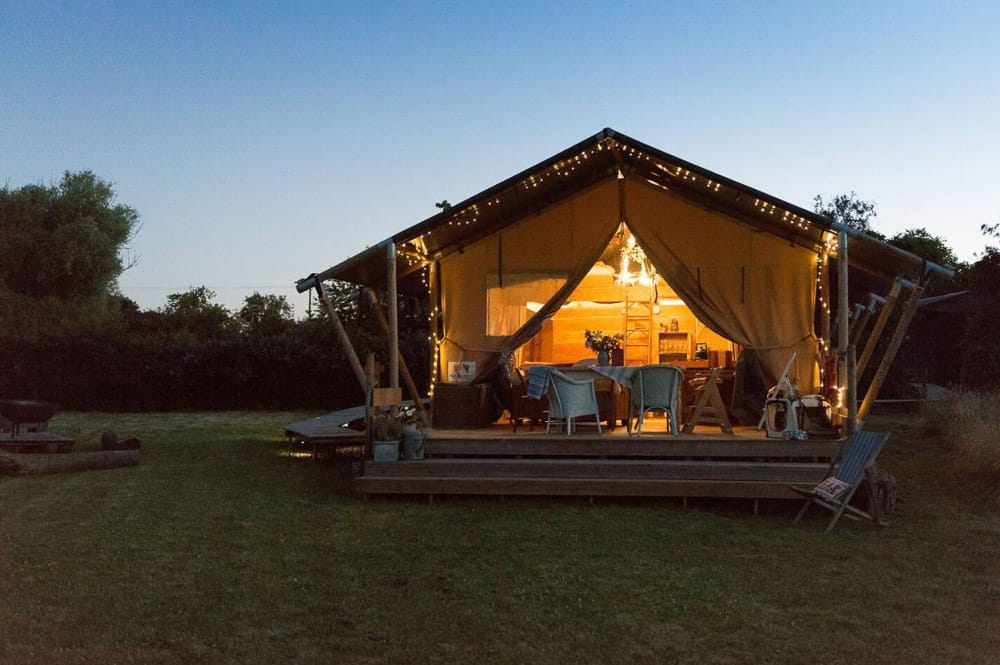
(260, 143)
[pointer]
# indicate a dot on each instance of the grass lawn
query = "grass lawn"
(220, 548)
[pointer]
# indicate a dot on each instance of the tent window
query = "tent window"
(507, 305)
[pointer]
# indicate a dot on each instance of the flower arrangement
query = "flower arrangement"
(387, 427)
(598, 342)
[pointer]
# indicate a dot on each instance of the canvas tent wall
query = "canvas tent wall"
(745, 262)
(751, 287)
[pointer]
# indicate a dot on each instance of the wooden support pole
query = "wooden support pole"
(371, 371)
(393, 304)
(852, 389)
(843, 322)
(345, 341)
(824, 287)
(890, 353)
(859, 328)
(880, 322)
(404, 369)
(859, 311)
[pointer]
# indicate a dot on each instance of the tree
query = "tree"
(980, 354)
(266, 315)
(849, 210)
(64, 241)
(194, 312)
(926, 246)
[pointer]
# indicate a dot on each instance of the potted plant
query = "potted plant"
(413, 438)
(602, 344)
(387, 430)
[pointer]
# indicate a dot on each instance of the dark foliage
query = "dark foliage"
(849, 210)
(980, 353)
(194, 354)
(63, 241)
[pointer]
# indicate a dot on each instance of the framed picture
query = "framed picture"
(462, 371)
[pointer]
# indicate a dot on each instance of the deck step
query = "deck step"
(698, 470)
(572, 487)
(630, 447)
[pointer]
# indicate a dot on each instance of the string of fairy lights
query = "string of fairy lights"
(417, 254)
(828, 249)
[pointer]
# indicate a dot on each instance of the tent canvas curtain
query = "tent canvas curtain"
(754, 288)
(564, 241)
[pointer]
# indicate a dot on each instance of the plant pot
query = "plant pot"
(385, 451)
(602, 358)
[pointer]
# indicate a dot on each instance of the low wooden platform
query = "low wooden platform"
(327, 431)
(497, 461)
(34, 442)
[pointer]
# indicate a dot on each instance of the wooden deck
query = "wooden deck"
(496, 461)
(34, 442)
(326, 431)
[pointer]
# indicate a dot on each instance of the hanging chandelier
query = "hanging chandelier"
(634, 266)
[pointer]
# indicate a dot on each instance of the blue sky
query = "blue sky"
(262, 142)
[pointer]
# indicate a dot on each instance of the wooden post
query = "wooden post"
(859, 328)
(824, 286)
(403, 367)
(890, 353)
(823, 296)
(852, 389)
(345, 341)
(371, 371)
(843, 323)
(393, 304)
(880, 322)
(859, 310)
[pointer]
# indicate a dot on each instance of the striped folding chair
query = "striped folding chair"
(844, 477)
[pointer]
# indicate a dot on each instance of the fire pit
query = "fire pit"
(19, 411)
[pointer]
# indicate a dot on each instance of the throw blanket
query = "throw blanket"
(538, 381)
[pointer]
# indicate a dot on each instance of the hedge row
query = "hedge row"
(297, 370)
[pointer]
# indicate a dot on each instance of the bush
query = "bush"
(970, 421)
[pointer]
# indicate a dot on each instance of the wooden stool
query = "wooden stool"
(708, 408)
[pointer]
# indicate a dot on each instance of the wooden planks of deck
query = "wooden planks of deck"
(34, 442)
(532, 464)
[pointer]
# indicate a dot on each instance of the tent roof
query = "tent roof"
(607, 155)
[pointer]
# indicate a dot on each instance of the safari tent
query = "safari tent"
(689, 266)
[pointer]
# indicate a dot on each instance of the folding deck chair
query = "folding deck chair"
(843, 477)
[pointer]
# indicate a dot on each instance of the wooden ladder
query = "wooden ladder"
(638, 325)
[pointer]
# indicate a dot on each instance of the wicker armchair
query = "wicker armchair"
(654, 388)
(569, 399)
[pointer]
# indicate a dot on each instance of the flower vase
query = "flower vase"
(602, 358)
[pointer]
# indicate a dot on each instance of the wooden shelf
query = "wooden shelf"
(674, 346)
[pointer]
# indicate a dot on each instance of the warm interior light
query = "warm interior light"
(671, 302)
(632, 254)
